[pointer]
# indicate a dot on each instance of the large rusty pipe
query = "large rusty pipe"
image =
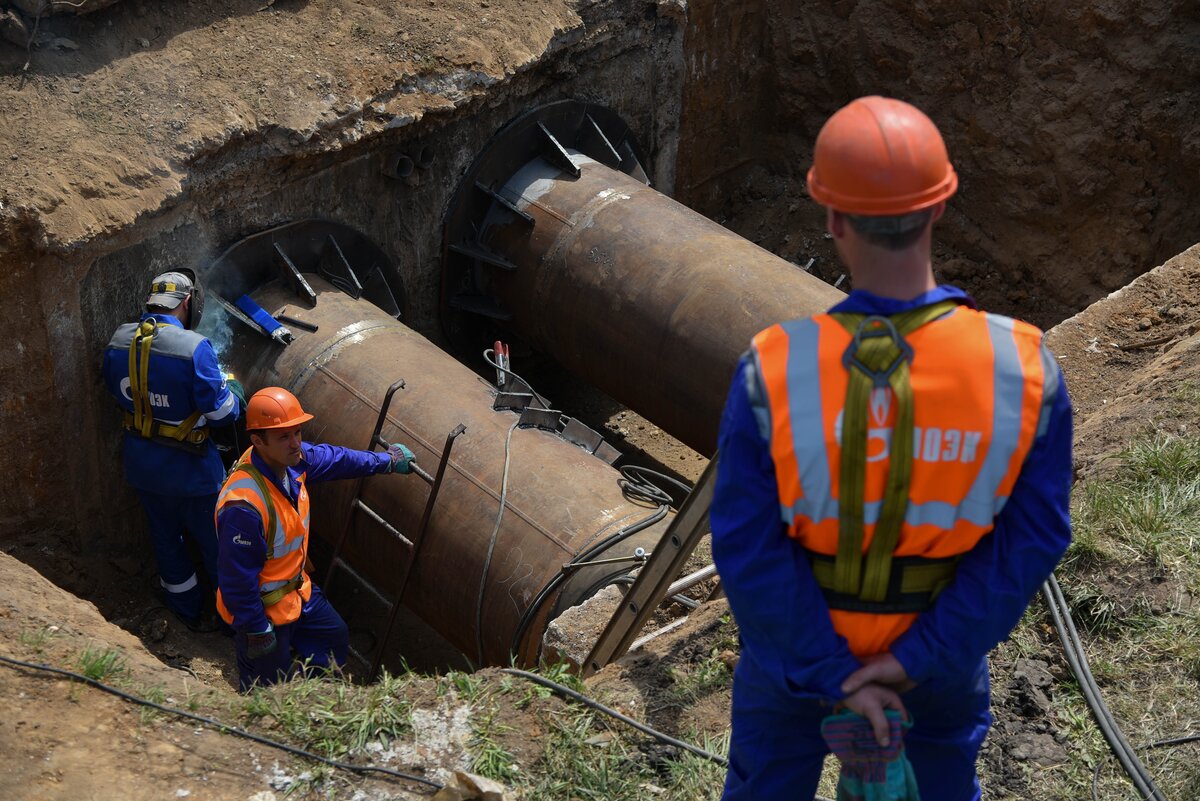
(560, 500)
(635, 293)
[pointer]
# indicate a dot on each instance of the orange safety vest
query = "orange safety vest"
(283, 583)
(978, 402)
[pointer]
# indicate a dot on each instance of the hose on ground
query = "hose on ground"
(1190, 738)
(567, 692)
(219, 726)
(599, 707)
(1060, 615)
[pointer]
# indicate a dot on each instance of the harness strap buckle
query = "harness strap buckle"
(873, 327)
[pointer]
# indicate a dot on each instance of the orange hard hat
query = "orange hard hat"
(274, 407)
(879, 156)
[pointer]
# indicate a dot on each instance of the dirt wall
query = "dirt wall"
(229, 122)
(1073, 128)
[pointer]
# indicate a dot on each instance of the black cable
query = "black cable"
(642, 727)
(642, 476)
(609, 541)
(1190, 738)
(635, 486)
(222, 727)
(487, 562)
(1077, 660)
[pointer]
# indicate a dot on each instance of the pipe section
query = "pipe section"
(635, 293)
(560, 501)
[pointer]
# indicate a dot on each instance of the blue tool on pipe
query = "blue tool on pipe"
(277, 330)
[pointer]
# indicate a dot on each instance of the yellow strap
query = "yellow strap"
(261, 481)
(878, 356)
(139, 389)
(193, 436)
(139, 381)
(181, 431)
(276, 595)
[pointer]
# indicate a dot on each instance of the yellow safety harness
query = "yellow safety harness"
(878, 357)
(141, 421)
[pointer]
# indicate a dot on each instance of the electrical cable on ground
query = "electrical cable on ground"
(223, 728)
(642, 727)
(1060, 615)
(487, 562)
(1190, 738)
(567, 692)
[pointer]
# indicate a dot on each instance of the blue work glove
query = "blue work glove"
(261, 644)
(402, 458)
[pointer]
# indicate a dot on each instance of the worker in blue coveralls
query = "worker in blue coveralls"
(165, 377)
(892, 488)
(281, 619)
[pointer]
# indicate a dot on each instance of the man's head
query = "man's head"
(178, 294)
(881, 169)
(273, 420)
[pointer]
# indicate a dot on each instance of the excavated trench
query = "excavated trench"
(1073, 132)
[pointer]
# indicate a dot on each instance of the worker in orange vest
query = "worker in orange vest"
(892, 488)
(281, 620)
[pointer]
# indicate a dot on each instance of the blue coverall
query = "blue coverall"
(177, 485)
(320, 633)
(793, 662)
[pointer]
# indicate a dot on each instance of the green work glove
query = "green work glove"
(402, 458)
(238, 391)
(261, 644)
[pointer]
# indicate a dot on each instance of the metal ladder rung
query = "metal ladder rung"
(359, 655)
(390, 528)
(383, 599)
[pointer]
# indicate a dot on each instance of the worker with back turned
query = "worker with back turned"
(166, 378)
(892, 490)
(282, 621)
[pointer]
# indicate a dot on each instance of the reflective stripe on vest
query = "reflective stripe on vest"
(978, 403)
(283, 584)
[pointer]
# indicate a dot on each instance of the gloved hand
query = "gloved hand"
(402, 458)
(261, 644)
(238, 390)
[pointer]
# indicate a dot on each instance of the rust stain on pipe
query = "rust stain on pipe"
(560, 500)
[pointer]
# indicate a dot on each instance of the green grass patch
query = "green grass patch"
(332, 716)
(1129, 579)
(36, 639)
(491, 758)
(101, 664)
